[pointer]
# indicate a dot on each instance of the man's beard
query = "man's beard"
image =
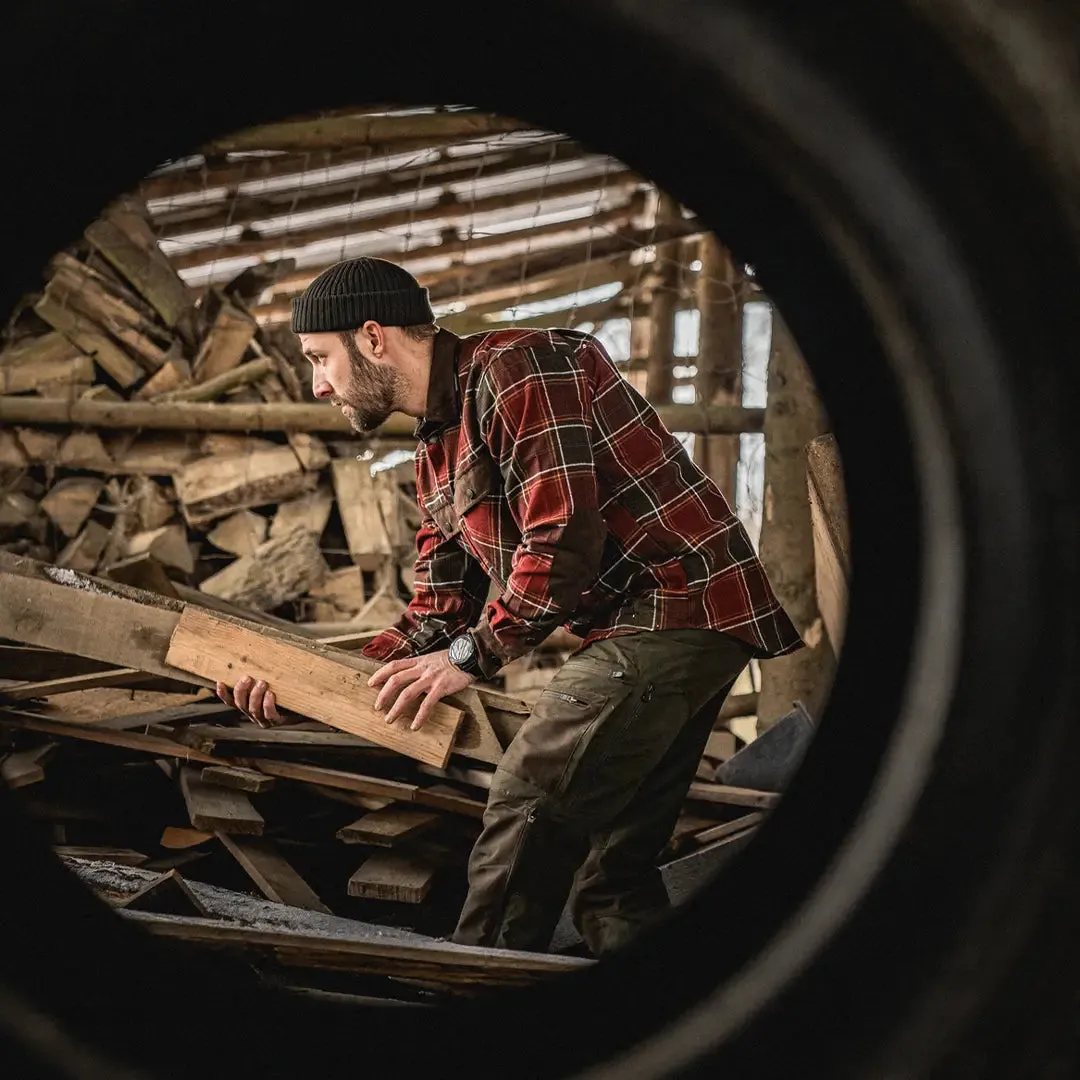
(372, 394)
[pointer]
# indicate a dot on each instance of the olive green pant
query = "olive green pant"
(587, 794)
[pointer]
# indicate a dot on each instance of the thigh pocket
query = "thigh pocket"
(579, 701)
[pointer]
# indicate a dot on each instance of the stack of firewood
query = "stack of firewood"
(282, 522)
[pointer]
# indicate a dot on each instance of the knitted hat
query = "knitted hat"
(349, 293)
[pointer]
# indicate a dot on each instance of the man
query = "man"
(539, 467)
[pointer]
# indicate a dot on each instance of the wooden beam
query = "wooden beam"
(729, 828)
(832, 539)
(26, 691)
(271, 872)
(127, 740)
(215, 809)
(306, 682)
(448, 209)
(25, 767)
(337, 132)
(234, 208)
(464, 252)
(732, 796)
(120, 856)
(455, 966)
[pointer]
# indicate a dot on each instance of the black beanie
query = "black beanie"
(349, 293)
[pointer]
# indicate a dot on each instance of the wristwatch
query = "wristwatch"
(465, 656)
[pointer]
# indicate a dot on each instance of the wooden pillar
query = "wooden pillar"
(719, 357)
(793, 416)
(659, 377)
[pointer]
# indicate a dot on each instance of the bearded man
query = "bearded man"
(540, 468)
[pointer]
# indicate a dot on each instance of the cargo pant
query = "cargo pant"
(587, 794)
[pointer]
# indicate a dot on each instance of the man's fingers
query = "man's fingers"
(405, 700)
(393, 686)
(225, 694)
(391, 668)
(240, 693)
(270, 710)
(255, 700)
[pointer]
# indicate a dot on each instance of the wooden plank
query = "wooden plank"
(478, 778)
(207, 736)
(445, 797)
(237, 777)
(720, 745)
(218, 809)
(305, 682)
(48, 687)
(128, 740)
(387, 876)
(25, 767)
(729, 828)
(272, 873)
(732, 796)
(170, 714)
(70, 612)
(385, 828)
(832, 539)
(215, 487)
(334, 778)
(121, 856)
(179, 838)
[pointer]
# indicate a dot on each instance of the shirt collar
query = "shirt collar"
(442, 398)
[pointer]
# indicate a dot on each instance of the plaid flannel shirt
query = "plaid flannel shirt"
(542, 469)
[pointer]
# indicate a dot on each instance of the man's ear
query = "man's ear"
(375, 334)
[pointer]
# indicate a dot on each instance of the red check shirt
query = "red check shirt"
(542, 469)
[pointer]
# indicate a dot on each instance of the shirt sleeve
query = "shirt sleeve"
(534, 406)
(449, 590)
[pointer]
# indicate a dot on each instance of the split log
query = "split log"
(174, 374)
(84, 450)
(339, 596)
(368, 508)
(225, 343)
(142, 572)
(240, 533)
(125, 237)
(70, 501)
(310, 512)
(121, 856)
(89, 339)
(275, 572)
(214, 487)
(16, 509)
(50, 358)
(230, 379)
(25, 767)
(152, 505)
(168, 544)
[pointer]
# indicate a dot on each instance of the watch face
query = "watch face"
(462, 649)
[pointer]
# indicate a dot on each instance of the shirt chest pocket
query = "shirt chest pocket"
(473, 485)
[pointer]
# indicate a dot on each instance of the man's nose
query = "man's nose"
(320, 387)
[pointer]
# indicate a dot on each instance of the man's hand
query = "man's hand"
(254, 699)
(404, 681)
